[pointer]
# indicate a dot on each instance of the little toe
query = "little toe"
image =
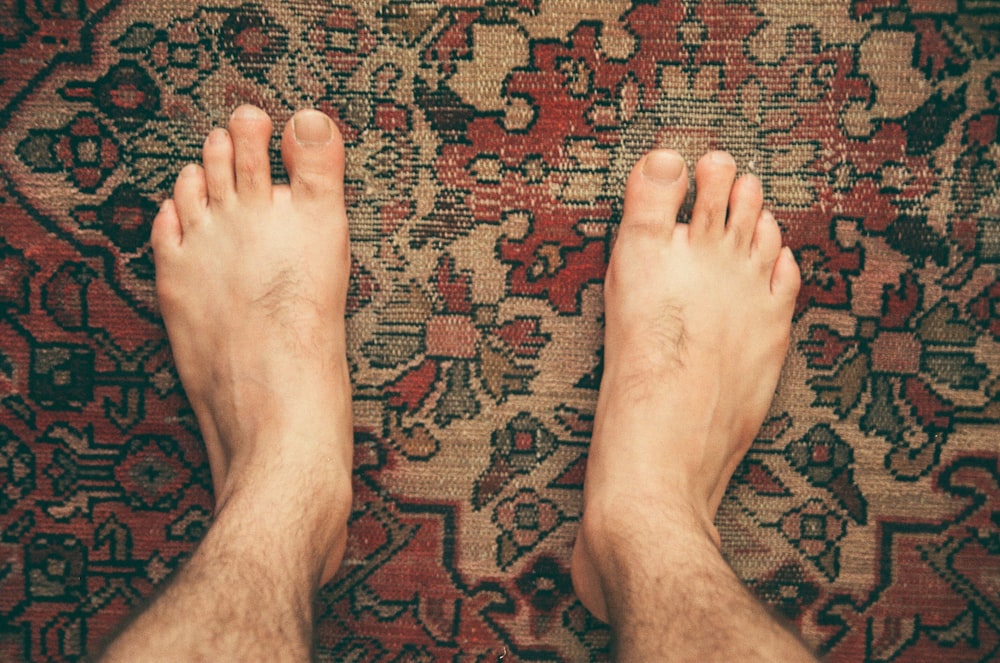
(190, 195)
(251, 129)
(786, 279)
(217, 158)
(167, 231)
(713, 175)
(313, 152)
(745, 203)
(655, 191)
(766, 241)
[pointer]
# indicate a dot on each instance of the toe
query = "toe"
(190, 195)
(655, 191)
(251, 128)
(713, 177)
(167, 231)
(786, 278)
(745, 203)
(766, 241)
(313, 152)
(217, 158)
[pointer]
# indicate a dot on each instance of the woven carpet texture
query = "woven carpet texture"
(487, 146)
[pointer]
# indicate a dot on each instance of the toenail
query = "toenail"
(721, 157)
(216, 135)
(312, 128)
(663, 166)
(248, 112)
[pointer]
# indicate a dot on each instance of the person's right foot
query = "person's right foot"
(252, 284)
(698, 318)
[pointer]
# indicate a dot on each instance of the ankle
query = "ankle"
(622, 543)
(300, 519)
(638, 525)
(320, 482)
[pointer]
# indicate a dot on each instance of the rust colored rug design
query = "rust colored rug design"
(487, 143)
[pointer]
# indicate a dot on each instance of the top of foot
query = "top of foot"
(698, 319)
(252, 282)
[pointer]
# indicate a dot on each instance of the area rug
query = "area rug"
(487, 146)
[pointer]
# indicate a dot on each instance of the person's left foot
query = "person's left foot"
(697, 324)
(252, 283)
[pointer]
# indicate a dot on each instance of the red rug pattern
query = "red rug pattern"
(488, 142)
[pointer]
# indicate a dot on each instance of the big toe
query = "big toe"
(313, 152)
(655, 191)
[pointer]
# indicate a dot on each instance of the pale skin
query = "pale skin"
(252, 280)
(698, 319)
(252, 284)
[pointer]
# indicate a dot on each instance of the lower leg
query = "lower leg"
(246, 594)
(252, 282)
(697, 325)
(668, 594)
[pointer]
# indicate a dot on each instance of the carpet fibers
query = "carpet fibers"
(487, 146)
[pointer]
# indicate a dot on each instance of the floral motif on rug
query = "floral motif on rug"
(487, 144)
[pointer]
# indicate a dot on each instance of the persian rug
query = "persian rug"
(487, 146)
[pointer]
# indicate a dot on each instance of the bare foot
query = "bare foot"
(697, 327)
(252, 282)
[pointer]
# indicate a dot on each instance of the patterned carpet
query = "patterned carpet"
(488, 143)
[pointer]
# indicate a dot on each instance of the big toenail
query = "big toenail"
(312, 128)
(663, 166)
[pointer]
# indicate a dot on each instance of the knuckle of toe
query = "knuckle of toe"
(713, 210)
(251, 167)
(313, 184)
